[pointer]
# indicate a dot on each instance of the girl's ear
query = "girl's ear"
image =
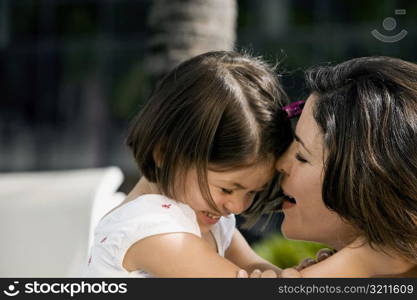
(158, 155)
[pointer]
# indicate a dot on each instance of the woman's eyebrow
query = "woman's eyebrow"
(297, 138)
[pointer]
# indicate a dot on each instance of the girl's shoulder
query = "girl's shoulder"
(148, 210)
(143, 217)
(145, 204)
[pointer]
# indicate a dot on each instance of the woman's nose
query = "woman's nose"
(283, 164)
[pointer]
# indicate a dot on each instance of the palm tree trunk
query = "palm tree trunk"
(180, 29)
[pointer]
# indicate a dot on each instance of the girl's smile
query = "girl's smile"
(232, 191)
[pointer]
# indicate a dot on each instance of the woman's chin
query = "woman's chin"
(289, 233)
(299, 234)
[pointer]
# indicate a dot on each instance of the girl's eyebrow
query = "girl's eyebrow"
(297, 138)
(238, 186)
(234, 184)
(241, 187)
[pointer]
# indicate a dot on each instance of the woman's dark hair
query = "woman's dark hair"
(367, 111)
(219, 108)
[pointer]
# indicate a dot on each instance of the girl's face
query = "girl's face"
(232, 191)
(306, 216)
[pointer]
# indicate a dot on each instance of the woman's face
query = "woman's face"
(302, 167)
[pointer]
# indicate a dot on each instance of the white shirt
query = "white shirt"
(145, 216)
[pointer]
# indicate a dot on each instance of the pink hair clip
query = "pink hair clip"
(294, 109)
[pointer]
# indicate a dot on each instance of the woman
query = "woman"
(350, 175)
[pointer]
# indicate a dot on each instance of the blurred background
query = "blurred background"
(74, 72)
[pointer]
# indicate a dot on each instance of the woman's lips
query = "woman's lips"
(288, 201)
(286, 204)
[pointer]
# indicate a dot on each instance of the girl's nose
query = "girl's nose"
(236, 206)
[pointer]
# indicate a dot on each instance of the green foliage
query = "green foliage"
(286, 253)
(130, 92)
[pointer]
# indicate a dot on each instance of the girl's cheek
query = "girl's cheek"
(219, 198)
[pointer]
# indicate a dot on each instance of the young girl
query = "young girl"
(206, 143)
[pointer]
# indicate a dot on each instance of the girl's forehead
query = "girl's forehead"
(254, 175)
(253, 165)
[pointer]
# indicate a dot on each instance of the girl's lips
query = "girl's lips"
(208, 220)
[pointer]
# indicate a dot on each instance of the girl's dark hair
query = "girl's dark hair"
(367, 111)
(219, 108)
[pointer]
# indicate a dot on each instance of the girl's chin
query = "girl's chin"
(204, 228)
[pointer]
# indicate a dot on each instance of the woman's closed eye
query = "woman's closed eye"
(300, 158)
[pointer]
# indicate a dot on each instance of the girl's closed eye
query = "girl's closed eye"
(300, 158)
(226, 191)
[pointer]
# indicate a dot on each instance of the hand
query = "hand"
(290, 273)
(324, 253)
(257, 274)
(321, 255)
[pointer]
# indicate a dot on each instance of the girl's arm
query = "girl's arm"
(177, 255)
(241, 254)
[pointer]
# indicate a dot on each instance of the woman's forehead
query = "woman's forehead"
(307, 130)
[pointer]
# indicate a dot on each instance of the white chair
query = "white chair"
(47, 219)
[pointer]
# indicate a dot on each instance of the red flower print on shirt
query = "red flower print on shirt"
(166, 205)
